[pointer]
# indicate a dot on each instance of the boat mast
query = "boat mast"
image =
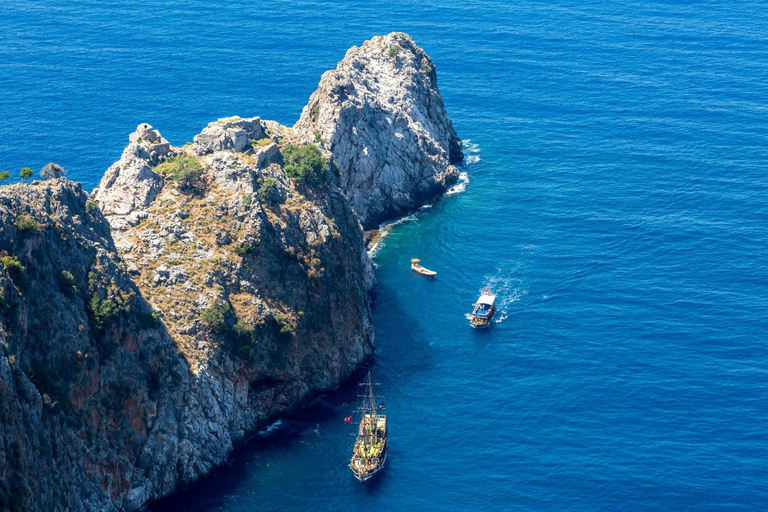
(370, 393)
(372, 419)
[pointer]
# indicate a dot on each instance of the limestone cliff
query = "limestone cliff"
(134, 356)
(202, 291)
(382, 117)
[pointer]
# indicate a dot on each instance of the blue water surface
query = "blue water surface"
(617, 202)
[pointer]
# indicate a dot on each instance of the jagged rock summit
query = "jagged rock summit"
(382, 117)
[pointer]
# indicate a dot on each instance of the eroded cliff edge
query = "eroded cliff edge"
(136, 354)
(197, 294)
(382, 117)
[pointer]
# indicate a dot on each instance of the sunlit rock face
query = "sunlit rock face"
(382, 117)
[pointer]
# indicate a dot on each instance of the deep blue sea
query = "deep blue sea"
(617, 201)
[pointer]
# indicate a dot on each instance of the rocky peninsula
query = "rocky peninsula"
(202, 291)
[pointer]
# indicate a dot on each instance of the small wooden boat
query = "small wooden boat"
(485, 308)
(421, 270)
(371, 445)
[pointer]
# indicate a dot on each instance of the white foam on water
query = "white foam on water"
(460, 185)
(385, 230)
(471, 156)
(471, 152)
(272, 428)
(508, 289)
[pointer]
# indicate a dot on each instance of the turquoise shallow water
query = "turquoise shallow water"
(617, 201)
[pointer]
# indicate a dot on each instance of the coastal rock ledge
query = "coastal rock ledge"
(382, 117)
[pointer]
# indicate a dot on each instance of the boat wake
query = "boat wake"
(508, 289)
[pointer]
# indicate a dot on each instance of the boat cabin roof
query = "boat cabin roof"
(487, 299)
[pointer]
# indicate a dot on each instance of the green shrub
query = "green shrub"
(25, 174)
(394, 49)
(213, 317)
(27, 225)
(286, 330)
(305, 164)
(4, 175)
(242, 341)
(265, 141)
(267, 189)
(244, 248)
(240, 329)
(314, 112)
(425, 67)
(67, 283)
(103, 312)
(184, 170)
(246, 200)
(101, 315)
(13, 266)
(91, 204)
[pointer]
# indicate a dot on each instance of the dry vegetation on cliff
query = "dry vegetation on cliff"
(202, 290)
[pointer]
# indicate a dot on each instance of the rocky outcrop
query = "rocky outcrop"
(381, 115)
(134, 356)
(130, 184)
(202, 291)
(233, 133)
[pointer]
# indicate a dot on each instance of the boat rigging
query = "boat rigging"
(371, 444)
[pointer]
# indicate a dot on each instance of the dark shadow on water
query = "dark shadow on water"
(372, 486)
(211, 492)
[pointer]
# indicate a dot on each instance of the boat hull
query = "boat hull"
(479, 325)
(364, 477)
(423, 271)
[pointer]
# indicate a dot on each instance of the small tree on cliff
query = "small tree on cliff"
(25, 174)
(4, 175)
(52, 170)
(184, 170)
(305, 164)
